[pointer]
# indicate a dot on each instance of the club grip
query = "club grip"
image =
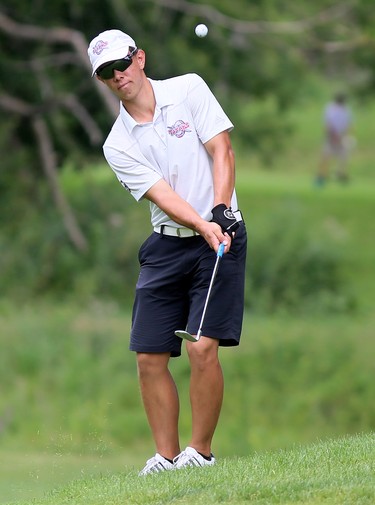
(220, 251)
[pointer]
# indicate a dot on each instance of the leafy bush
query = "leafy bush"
(291, 267)
(37, 258)
(69, 382)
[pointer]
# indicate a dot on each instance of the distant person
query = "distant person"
(337, 142)
(171, 146)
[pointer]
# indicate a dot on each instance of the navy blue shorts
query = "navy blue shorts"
(171, 291)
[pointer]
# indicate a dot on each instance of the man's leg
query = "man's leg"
(206, 392)
(323, 168)
(160, 400)
(342, 161)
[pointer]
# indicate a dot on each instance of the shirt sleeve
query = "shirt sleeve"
(134, 176)
(209, 117)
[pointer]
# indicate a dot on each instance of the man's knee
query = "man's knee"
(203, 353)
(152, 364)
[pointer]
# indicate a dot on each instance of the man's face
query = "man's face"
(126, 84)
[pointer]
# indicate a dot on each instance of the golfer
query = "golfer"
(170, 145)
(337, 124)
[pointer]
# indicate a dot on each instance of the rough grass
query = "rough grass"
(334, 472)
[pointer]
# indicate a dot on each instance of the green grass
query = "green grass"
(343, 213)
(27, 475)
(301, 152)
(68, 412)
(335, 472)
(294, 379)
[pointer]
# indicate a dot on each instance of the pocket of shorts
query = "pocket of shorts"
(142, 253)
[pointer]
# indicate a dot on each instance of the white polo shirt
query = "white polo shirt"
(187, 115)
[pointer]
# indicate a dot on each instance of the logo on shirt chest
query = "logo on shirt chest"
(179, 129)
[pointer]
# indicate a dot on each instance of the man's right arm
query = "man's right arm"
(180, 211)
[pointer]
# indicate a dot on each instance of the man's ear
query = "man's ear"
(141, 58)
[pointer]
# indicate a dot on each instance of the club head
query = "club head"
(186, 335)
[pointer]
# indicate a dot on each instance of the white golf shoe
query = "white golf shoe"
(190, 457)
(156, 464)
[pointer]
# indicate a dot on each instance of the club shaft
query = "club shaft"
(208, 295)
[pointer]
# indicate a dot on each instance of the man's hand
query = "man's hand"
(223, 216)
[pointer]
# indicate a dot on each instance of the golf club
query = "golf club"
(185, 334)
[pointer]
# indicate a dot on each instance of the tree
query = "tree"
(255, 52)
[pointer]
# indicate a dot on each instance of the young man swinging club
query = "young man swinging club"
(170, 145)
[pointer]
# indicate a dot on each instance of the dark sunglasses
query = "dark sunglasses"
(107, 71)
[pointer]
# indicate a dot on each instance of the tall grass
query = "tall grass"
(294, 379)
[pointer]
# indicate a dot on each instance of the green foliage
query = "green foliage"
(263, 128)
(38, 259)
(68, 366)
(306, 272)
(293, 267)
(63, 370)
(242, 63)
(305, 376)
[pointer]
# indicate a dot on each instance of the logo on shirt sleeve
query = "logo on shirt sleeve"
(179, 129)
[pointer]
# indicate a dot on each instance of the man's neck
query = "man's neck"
(142, 108)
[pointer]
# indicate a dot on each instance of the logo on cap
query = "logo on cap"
(99, 47)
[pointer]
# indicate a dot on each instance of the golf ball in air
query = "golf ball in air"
(201, 30)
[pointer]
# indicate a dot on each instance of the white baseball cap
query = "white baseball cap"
(109, 46)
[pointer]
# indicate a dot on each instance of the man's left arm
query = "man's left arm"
(221, 151)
